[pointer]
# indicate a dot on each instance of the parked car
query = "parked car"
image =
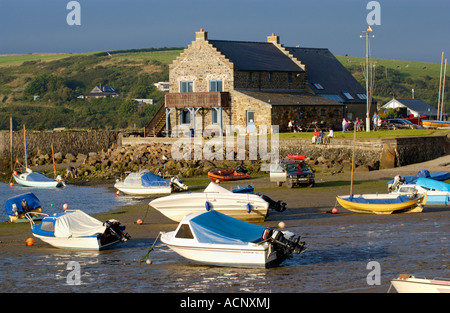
(399, 123)
(293, 174)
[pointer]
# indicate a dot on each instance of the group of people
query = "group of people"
(357, 124)
(294, 127)
(376, 121)
(319, 137)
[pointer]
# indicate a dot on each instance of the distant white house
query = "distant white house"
(162, 86)
(414, 107)
(144, 101)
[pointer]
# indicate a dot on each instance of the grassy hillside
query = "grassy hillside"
(59, 79)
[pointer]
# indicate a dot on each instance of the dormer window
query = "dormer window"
(348, 96)
(318, 86)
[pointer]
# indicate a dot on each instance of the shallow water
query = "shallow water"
(339, 248)
(91, 200)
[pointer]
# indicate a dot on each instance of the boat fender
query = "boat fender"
(249, 208)
(207, 205)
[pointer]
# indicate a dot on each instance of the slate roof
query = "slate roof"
(256, 56)
(289, 98)
(417, 105)
(324, 69)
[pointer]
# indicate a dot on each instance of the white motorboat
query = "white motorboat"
(35, 179)
(438, 193)
(75, 229)
(249, 207)
(409, 284)
(215, 238)
(145, 183)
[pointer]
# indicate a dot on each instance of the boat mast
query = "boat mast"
(25, 146)
(440, 87)
(443, 90)
(353, 161)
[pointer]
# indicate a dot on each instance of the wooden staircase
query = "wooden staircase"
(157, 124)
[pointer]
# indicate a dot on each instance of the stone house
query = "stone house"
(255, 85)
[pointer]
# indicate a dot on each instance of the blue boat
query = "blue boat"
(74, 229)
(438, 193)
(411, 179)
(214, 238)
(17, 206)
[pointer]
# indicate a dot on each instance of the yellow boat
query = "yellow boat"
(434, 123)
(383, 203)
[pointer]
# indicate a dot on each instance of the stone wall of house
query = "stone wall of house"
(306, 116)
(200, 62)
(241, 103)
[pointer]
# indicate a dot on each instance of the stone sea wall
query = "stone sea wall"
(107, 154)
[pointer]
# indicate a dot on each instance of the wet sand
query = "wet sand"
(339, 247)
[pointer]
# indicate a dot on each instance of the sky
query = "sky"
(413, 30)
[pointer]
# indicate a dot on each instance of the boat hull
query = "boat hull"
(226, 175)
(411, 206)
(141, 190)
(21, 180)
(250, 255)
(77, 243)
(435, 124)
(175, 207)
(419, 285)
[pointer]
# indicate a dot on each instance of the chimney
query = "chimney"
(201, 35)
(273, 39)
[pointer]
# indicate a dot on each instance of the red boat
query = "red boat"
(228, 174)
(296, 156)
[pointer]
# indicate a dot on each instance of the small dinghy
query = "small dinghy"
(411, 179)
(145, 183)
(228, 174)
(35, 179)
(75, 229)
(382, 203)
(243, 189)
(217, 239)
(16, 207)
(409, 284)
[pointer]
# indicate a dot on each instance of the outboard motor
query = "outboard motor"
(241, 169)
(282, 243)
(274, 205)
(114, 228)
(398, 180)
(177, 184)
(25, 205)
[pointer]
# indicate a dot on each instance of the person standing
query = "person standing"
(344, 125)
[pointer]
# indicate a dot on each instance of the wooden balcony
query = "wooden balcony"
(197, 100)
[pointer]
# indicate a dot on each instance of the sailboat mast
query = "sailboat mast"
(440, 87)
(443, 90)
(353, 161)
(25, 146)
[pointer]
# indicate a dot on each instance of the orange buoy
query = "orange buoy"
(11, 184)
(334, 211)
(139, 222)
(30, 242)
(118, 193)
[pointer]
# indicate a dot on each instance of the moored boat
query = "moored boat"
(75, 229)
(382, 203)
(438, 193)
(435, 124)
(216, 239)
(145, 183)
(35, 179)
(249, 207)
(409, 284)
(229, 174)
(16, 207)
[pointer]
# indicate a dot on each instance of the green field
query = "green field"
(18, 59)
